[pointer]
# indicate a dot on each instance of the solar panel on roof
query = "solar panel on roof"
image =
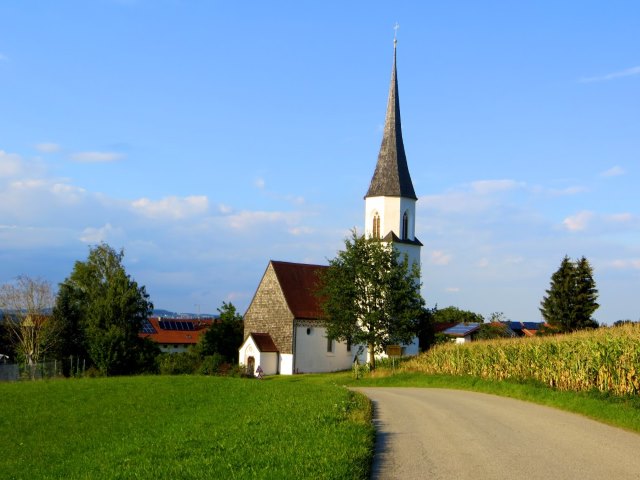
(531, 325)
(461, 329)
(147, 327)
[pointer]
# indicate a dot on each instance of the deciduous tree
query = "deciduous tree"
(26, 304)
(370, 295)
(102, 308)
(224, 337)
(456, 315)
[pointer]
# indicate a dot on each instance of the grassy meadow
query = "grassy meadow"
(183, 427)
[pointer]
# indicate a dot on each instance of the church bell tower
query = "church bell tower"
(390, 202)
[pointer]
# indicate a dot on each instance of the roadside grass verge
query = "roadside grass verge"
(618, 411)
(184, 427)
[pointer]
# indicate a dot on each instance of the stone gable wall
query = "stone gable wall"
(269, 313)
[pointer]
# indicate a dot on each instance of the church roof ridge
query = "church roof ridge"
(391, 177)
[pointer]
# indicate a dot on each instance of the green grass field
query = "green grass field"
(183, 427)
(306, 426)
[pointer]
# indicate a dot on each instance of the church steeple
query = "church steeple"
(391, 177)
(390, 203)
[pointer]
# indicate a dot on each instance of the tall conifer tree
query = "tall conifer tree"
(571, 297)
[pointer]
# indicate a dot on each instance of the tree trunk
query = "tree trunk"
(372, 357)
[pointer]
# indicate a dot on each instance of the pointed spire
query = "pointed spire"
(391, 178)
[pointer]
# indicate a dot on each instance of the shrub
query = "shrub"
(178, 363)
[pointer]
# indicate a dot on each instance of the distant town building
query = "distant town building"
(175, 335)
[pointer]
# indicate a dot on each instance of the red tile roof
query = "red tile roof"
(184, 337)
(264, 342)
(299, 281)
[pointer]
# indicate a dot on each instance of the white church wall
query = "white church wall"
(286, 364)
(269, 363)
(312, 355)
(249, 349)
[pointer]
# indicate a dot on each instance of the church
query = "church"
(282, 328)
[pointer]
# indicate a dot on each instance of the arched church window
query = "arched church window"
(376, 225)
(405, 226)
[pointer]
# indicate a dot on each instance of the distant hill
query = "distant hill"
(159, 312)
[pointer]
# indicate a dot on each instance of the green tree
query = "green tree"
(102, 308)
(456, 315)
(370, 296)
(226, 334)
(571, 297)
(493, 330)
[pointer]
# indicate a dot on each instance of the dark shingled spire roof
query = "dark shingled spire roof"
(391, 178)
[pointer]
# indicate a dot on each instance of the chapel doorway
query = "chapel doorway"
(251, 366)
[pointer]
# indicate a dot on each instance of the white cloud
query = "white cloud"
(612, 76)
(601, 222)
(452, 289)
(621, 218)
(562, 192)
(579, 221)
(97, 157)
(224, 209)
(624, 264)
(3, 57)
(105, 233)
(439, 257)
(260, 183)
(172, 207)
(482, 263)
(69, 193)
(486, 187)
(472, 198)
(10, 164)
(613, 172)
(48, 147)
(252, 219)
(301, 231)
(456, 202)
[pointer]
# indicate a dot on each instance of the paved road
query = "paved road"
(426, 433)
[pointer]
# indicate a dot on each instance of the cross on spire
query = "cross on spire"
(395, 33)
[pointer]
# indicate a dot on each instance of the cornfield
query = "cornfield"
(607, 359)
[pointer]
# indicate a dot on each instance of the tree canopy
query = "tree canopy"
(225, 336)
(570, 301)
(456, 315)
(370, 296)
(101, 308)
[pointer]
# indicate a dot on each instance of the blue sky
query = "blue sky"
(206, 138)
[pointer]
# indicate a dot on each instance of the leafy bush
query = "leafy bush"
(178, 363)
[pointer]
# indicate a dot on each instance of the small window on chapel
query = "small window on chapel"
(329, 345)
(376, 225)
(405, 226)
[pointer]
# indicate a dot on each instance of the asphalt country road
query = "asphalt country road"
(428, 433)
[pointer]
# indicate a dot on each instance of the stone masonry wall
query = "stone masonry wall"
(269, 313)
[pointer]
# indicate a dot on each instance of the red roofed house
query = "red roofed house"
(282, 330)
(174, 335)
